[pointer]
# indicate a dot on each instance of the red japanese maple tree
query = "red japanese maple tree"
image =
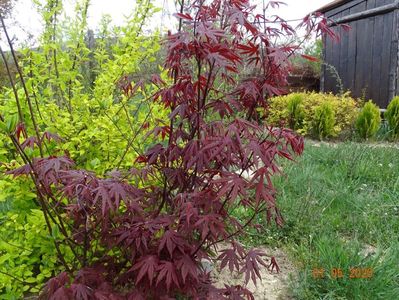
(150, 241)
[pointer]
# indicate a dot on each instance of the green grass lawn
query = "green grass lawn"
(341, 208)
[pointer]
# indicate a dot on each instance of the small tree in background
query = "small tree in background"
(369, 120)
(143, 233)
(303, 66)
(392, 116)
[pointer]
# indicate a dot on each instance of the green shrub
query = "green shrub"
(27, 252)
(93, 112)
(369, 120)
(324, 121)
(296, 111)
(392, 116)
(303, 107)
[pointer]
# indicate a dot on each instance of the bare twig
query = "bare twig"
(39, 140)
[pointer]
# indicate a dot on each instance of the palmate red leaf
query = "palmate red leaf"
(184, 16)
(223, 108)
(324, 27)
(171, 240)
(346, 27)
(209, 33)
(211, 224)
(251, 28)
(80, 291)
(153, 153)
(258, 152)
(120, 190)
(51, 136)
(233, 185)
(136, 237)
(273, 265)
(287, 28)
(30, 142)
(146, 266)
(52, 165)
(291, 139)
(56, 283)
(248, 88)
(103, 295)
(163, 130)
(189, 213)
(20, 129)
(264, 189)
(272, 90)
(167, 273)
(250, 49)
(157, 80)
(180, 110)
(237, 292)
(23, 170)
(63, 293)
(251, 266)
(102, 194)
(135, 295)
(92, 277)
(230, 257)
(187, 267)
(141, 159)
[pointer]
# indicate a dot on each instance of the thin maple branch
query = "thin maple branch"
(17, 279)
(16, 246)
(33, 89)
(21, 77)
(241, 228)
(248, 165)
(41, 203)
(132, 140)
(75, 57)
(53, 39)
(9, 75)
(171, 125)
(144, 18)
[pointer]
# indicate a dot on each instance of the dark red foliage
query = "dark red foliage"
(29, 142)
(150, 241)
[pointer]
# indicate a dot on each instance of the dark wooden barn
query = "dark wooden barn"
(367, 57)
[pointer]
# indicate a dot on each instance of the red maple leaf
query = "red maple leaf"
(81, 291)
(230, 257)
(251, 266)
(146, 266)
(188, 267)
(167, 273)
(171, 240)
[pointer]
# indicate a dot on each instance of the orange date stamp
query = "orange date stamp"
(336, 273)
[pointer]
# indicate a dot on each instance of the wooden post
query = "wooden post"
(397, 55)
(323, 66)
(394, 67)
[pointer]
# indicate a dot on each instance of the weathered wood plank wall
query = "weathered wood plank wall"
(366, 57)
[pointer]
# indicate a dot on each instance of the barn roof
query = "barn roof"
(332, 5)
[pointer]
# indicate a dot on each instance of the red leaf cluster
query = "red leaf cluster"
(148, 241)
